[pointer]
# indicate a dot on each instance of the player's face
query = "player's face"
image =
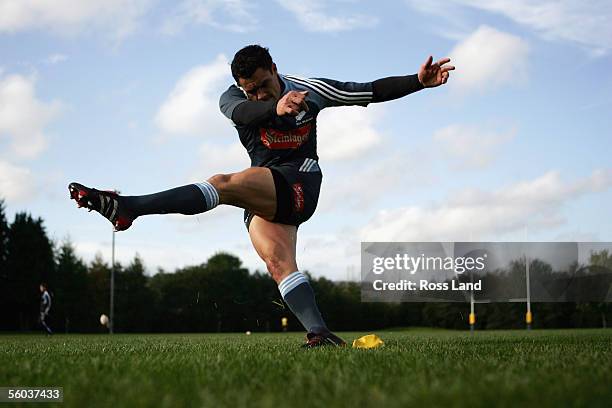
(263, 85)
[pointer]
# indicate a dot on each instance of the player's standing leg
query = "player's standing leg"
(276, 245)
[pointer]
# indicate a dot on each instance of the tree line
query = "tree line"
(219, 295)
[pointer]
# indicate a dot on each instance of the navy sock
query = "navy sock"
(299, 296)
(189, 200)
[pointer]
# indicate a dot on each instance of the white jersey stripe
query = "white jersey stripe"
(331, 88)
(305, 164)
(309, 165)
(330, 94)
(339, 99)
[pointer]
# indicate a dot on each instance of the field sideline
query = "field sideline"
(416, 367)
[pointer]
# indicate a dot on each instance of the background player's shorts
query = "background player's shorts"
(297, 191)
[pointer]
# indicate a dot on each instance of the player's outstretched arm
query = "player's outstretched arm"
(430, 75)
(330, 92)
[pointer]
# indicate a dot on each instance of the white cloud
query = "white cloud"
(23, 116)
(470, 147)
(229, 15)
(360, 187)
(332, 256)
(55, 59)
(456, 24)
(347, 132)
(582, 22)
(192, 107)
(220, 159)
(16, 183)
(488, 59)
(213, 159)
(482, 214)
(586, 23)
(314, 16)
(119, 18)
(577, 236)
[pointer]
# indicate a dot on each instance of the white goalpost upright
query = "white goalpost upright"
(528, 315)
(526, 299)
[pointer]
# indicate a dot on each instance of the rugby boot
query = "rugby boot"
(108, 203)
(314, 340)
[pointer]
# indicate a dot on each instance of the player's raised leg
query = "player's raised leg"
(275, 243)
(252, 188)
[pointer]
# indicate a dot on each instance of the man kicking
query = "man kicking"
(275, 117)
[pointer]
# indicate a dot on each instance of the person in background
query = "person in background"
(45, 306)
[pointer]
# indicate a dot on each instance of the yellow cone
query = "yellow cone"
(368, 342)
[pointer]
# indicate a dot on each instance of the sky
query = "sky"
(124, 95)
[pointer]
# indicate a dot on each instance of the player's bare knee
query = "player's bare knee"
(229, 183)
(223, 185)
(220, 181)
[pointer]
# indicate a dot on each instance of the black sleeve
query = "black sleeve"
(387, 89)
(253, 112)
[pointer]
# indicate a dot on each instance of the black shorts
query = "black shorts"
(297, 186)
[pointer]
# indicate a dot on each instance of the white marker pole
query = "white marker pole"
(111, 326)
(111, 322)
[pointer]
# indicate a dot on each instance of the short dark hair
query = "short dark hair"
(247, 60)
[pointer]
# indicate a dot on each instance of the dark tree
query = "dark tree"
(4, 282)
(29, 262)
(134, 300)
(71, 290)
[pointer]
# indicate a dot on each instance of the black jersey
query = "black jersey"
(282, 139)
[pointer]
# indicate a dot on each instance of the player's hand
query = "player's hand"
(292, 103)
(436, 74)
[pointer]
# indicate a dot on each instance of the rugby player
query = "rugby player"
(275, 116)
(45, 307)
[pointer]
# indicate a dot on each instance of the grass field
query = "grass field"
(414, 368)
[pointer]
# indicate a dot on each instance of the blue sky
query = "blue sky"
(123, 94)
